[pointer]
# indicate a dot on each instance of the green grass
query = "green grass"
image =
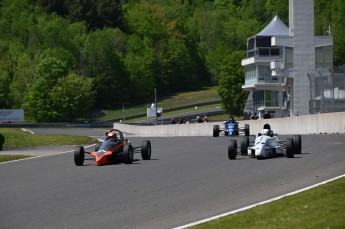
(185, 98)
(321, 207)
(15, 137)
(5, 157)
(179, 99)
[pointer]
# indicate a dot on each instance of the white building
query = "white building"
(284, 64)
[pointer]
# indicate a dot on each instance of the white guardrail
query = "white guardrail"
(327, 123)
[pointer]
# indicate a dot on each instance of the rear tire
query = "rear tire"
(246, 130)
(146, 150)
(289, 148)
(232, 149)
(79, 156)
(128, 154)
(244, 145)
(215, 130)
(298, 144)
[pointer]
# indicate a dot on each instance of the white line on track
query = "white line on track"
(34, 157)
(255, 205)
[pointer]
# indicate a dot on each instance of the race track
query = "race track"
(188, 179)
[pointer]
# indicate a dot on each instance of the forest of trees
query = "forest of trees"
(60, 59)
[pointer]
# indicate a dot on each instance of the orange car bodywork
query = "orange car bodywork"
(106, 158)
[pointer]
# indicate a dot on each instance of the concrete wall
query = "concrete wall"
(306, 124)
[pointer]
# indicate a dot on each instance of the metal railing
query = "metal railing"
(264, 52)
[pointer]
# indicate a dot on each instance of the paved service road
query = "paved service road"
(188, 179)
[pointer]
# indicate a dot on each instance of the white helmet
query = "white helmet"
(265, 131)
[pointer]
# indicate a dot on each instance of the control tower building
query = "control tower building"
(282, 63)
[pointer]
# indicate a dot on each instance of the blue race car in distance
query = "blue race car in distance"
(231, 128)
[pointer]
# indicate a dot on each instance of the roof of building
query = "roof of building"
(275, 28)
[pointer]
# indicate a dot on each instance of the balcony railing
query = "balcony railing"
(255, 105)
(264, 52)
(254, 80)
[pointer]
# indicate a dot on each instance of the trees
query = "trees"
(5, 95)
(142, 65)
(160, 47)
(38, 103)
(230, 82)
(100, 61)
(71, 97)
(329, 20)
(57, 95)
(338, 31)
(128, 48)
(97, 14)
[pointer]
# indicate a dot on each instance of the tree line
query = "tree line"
(60, 59)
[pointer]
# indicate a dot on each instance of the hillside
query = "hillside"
(60, 60)
(184, 104)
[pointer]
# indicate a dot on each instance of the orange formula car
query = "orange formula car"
(113, 149)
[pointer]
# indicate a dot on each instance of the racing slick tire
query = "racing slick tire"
(298, 144)
(246, 130)
(244, 145)
(128, 154)
(146, 150)
(232, 149)
(215, 130)
(97, 146)
(79, 155)
(289, 148)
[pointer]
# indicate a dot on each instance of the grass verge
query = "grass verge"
(5, 157)
(321, 207)
(15, 137)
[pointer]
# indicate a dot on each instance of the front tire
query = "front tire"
(146, 150)
(244, 145)
(289, 148)
(232, 149)
(246, 130)
(215, 130)
(298, 144)
(128, 154)
(79, 156)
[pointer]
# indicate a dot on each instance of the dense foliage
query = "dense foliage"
(60, 59)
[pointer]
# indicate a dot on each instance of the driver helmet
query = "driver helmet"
(232, 119)
(265, 132)
(112, 135)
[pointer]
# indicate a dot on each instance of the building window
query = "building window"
(265, 74)
(275, 52)
(323, 57)
(288, 58)
(250, 74)
(271, 99)
(265, 99)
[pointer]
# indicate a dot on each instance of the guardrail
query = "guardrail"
(326, 123)
(307, 124)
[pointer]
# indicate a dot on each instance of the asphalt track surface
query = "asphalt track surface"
(188, 179)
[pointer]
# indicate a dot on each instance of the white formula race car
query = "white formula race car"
(266, 145)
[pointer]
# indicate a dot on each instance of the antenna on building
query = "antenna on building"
(329, 30)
